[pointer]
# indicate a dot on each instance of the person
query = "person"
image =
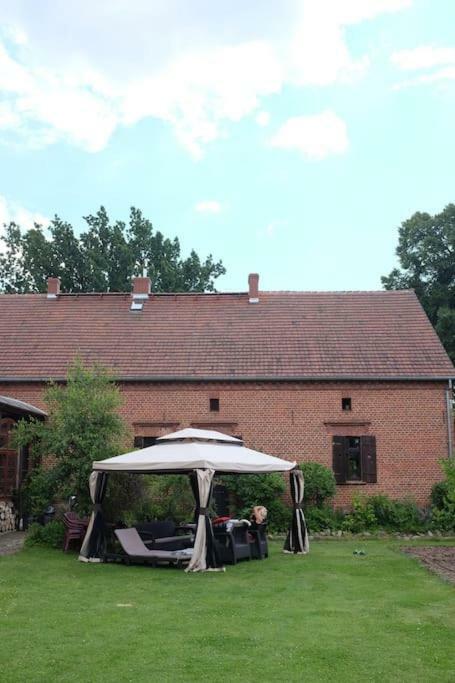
(258, 515)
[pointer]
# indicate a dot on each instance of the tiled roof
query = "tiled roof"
(301, 335)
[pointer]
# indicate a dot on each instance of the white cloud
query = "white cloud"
(436, 64)
(262, 118)
(423, 57)
(13, 212)
(198, 70)
(208, 206)
(316, 137)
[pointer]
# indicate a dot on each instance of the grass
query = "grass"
(329, 616)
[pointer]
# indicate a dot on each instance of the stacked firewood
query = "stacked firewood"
(7, 516)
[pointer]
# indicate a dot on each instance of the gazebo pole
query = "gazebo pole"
(94, 542)
(204, 554)
(297, 539)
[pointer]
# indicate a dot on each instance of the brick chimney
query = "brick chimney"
(141, 288)
(53, 287)
(253, 288)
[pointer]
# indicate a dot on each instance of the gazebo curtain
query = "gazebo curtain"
(93, 546)
(297, 538)
(204, 555)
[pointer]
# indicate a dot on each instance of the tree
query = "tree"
(101, 259)
(83, 426)
(426, 250)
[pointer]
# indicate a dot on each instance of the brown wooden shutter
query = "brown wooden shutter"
(339, 459)
(368, 455)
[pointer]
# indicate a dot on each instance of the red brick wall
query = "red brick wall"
(297, 421)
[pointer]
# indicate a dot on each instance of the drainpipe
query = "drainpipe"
(449, 396)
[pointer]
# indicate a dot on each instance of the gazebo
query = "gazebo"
(200, 454)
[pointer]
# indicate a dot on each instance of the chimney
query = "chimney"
(141, 288)
(253, 288)
(53, 287)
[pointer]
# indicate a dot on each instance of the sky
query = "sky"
(289, 138)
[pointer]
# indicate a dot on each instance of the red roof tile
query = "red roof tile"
(286, 335)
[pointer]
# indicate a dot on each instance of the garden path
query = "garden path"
(11, 542)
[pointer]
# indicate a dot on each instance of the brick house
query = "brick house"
(358, 381)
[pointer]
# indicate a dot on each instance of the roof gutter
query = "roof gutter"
(449, 398)
(242, 378)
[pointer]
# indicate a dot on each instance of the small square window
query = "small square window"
(214, 405)
(346, 404)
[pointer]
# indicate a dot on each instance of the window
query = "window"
(144, 441)
(8, 472)
(8, 458)
(346, 404)
(354, 459)
(214, 405)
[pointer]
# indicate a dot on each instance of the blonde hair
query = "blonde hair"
(259, 514)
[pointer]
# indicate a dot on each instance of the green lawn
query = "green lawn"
(329, 616)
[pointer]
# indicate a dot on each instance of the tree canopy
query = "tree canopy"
(83, 425)
(102, 258)
(426, 250)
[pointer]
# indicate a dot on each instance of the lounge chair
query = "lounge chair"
(136, 551)
(164, 535)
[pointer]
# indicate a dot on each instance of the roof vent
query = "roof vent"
(53, 287)
(253, 288)
(141, 288)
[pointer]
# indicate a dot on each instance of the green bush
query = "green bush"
(248, 490)
(440, 495)
(279, 516)
(51, 534)
(397, 515)
(361, 518)
(164, 497)
(319, 483)
(442, 520)
(323, 518)
(40, 490)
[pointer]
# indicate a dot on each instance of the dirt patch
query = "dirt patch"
(438, 559)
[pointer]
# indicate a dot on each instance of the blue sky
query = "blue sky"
(289, 138)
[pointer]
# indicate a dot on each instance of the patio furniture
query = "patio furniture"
(164, 535)
(258, 541)
(136, 551)
(75, 529)
(231, 542)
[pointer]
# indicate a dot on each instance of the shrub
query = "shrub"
(39, 490)
(323, 518)
(362, 517)
(157, 497)
(51, 534)
(442, 520)
(443, 500)
(279, 516)
(248, 490)
(439, 494)
(84, 425)
(397, 515)
(319, 483)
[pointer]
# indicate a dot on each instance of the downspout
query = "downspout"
(449, 396)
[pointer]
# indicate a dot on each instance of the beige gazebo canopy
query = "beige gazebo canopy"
(200, 453)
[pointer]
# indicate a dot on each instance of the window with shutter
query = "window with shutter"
(354, 459)
(368, 454)
(339, 460)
